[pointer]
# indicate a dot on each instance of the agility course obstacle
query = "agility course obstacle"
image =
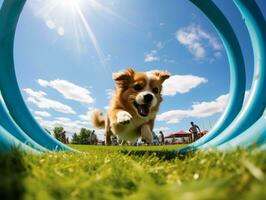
(248, 127)
(239, 125)
(17, 116)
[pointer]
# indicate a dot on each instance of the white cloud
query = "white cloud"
(162, 129)
(69, 90)
(100, 134)
(70, 126)
(40, 100)
(42, 114)
(63, 119)
(181, 84)
(87, 116)
(198, 110)
(194, 38)
(151, 57)
(159, 45)
(110, 93)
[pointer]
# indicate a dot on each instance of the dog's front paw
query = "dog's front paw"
(146, 134)
(123, 117)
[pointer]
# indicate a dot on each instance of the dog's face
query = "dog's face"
(140, 92)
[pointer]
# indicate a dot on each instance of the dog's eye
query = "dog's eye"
(137, 87)
(155, 90)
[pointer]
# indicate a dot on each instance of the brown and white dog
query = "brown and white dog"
(134, 105)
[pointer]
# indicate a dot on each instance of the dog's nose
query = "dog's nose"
(148, 98)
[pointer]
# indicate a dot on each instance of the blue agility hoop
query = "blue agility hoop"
(236, 127)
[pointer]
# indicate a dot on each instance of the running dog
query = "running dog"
(133, 107)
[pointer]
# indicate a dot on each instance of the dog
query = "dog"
(133, 107)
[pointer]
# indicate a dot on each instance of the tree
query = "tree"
(84, 136)
(75, 139)
(59, 134)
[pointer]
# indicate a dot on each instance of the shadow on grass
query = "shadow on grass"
(12, 174)
(161, 154)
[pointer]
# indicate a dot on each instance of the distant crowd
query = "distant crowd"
(86, 136)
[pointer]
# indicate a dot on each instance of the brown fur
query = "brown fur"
(133, 125)
(98, 119)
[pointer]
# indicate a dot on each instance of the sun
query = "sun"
(70, 19)
(71, 5)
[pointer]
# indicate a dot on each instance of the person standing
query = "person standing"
(93, 138)
(194, 129)
(161, 138)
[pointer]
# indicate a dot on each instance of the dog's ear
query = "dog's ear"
(123, 78)
(162, 75)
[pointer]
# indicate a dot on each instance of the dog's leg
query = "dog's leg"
(123, 117)
(108, 132)
(151, 124)
(119, 119)
(146, 133)
(108, 139)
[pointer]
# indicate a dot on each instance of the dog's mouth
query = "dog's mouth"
(143, 109)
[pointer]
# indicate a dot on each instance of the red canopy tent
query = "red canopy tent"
(178, 134)
(183, 134)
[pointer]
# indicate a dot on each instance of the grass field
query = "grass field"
(133, 173)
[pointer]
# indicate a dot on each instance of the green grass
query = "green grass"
(133, 173)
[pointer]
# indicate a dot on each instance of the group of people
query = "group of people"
(194, 130)
(160, 140)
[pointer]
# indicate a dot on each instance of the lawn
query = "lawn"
(133, 173)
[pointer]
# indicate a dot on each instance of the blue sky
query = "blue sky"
(65, 54)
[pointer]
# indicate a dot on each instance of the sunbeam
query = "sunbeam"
(67, 16)
(90, 33)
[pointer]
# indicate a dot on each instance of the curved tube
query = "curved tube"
(9, 142)
(253, 136)
(9, 125)
(237, 70)
(262, 147)
(256, 102)
(234, 128)
(9, 88)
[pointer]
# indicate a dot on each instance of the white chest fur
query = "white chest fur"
(131, 126)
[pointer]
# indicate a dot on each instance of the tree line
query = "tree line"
(85, 136)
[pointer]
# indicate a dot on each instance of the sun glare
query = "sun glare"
(68, 17)
(70, 5)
